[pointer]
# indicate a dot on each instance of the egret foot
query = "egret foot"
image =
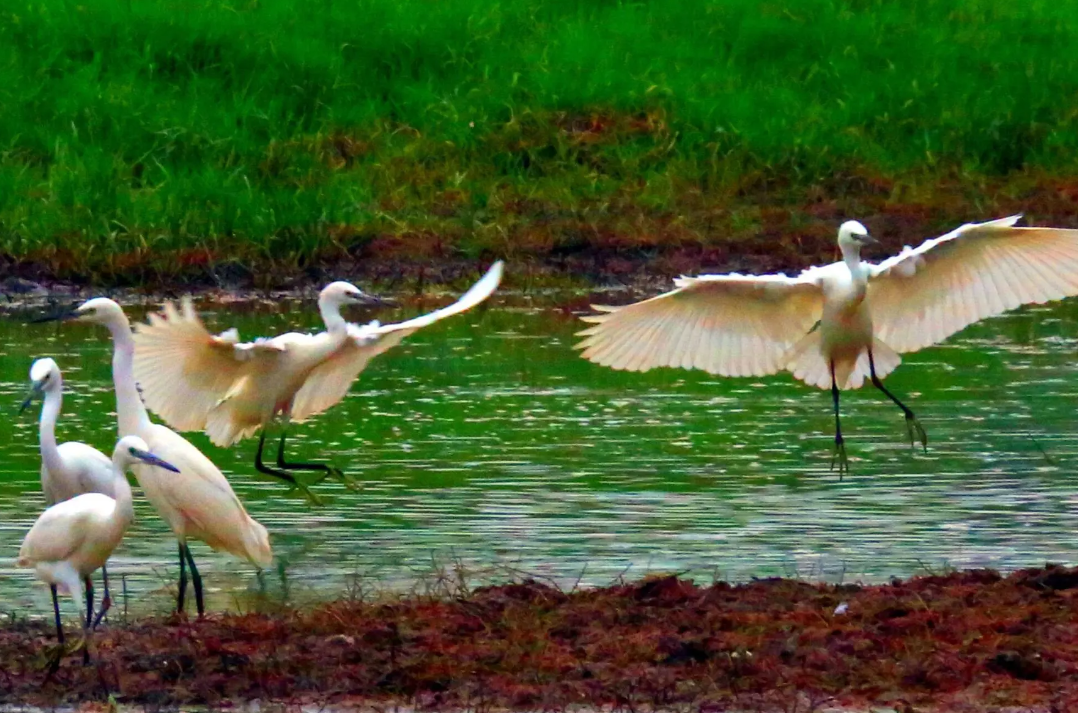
(106, 604)
(914, 426)
(839, 455)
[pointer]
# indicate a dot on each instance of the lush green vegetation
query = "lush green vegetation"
(168, 133)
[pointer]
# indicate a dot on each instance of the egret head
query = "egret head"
(44, 378)
(340, 293)
(852, 234)
(99, 310)
(132, 450)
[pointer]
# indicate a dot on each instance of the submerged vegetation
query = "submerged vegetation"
(250, 139)
(962, 641)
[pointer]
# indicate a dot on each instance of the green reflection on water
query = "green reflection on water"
(486, 441)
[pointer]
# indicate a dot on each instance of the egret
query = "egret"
(198, 503)
(195, 380)
(74, 537)
(833, 325)
(69, 469)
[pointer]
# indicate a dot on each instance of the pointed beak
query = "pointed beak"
(35, 389)
(374, 301)
(63, 315)
(869, 240)
(150, 458)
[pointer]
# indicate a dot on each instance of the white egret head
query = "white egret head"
(852, 234)
(132, 450)
(340, 293)
(44, 378)
(99, 310)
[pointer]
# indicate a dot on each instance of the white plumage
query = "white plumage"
(74, 537)
(197, 504)
(746, 325)
(195, 380)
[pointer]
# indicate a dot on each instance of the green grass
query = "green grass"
(281, 132)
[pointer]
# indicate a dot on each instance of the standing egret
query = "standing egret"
(69, 469)
(195, 380)
(836, 324)
(198, 503)
(74, 537)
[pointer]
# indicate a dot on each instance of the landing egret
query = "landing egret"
(198, 503)
(69, 469)
(74, 537)
(195, 380)
(836, 324)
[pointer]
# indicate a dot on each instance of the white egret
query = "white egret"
(198, 503)
(195, 380)
(69, 469)
(836, 324)
(74, 537)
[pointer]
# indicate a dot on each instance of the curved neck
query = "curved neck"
(125, 508)
(130, 412)
(331, 315)
(50, 411)
(851, 255)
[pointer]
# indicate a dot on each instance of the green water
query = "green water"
(485, 442)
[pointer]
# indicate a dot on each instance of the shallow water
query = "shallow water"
(485, 445)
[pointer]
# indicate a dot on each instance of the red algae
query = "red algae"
(963, 641)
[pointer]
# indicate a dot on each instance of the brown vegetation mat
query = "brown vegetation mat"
(965, 641)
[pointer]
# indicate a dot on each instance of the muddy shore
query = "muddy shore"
(963, 641)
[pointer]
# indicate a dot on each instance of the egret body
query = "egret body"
(198, 503)
(74, 537)
(836, 325)
(196, 380)
(69, 469)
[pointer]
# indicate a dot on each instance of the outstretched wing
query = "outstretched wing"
(330, 381)
(183, 370)
(733, 325)
(924, 295)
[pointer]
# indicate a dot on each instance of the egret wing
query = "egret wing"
(329, 382)
(59, 531)
(184, 371)
(923, 295)
(733, 325)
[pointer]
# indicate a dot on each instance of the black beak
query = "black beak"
(374, 301)
(64, 314)
(869, 240)
(150, 458)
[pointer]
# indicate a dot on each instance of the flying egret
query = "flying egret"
(832, 326)
(69, 469)
(74, 537)
(195, 380)
(198, 503)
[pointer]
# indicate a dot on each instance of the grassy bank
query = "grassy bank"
(157, 139)
(966, 641)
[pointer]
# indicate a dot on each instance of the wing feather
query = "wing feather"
(924, 295)
(329, 382)
(732, 325)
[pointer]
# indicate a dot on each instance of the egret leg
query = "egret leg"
(106, 600)
(183, 580)
(326, 469)
(89, 620)
(282, 474)
(912, 424)
(57, 654)
(840, 444)
(196, 579)
(56, 609)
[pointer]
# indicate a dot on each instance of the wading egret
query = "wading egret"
(69, 469)
(195, 380)
(198, 503)
(74, 537)
(834, 325)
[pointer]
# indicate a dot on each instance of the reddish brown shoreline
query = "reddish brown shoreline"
(963, 641)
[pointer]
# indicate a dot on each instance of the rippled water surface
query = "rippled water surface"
(485, 444)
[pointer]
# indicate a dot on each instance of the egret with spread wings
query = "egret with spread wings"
(197, 381)
(834, 325)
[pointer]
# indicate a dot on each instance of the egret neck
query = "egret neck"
(50, 412)
(130, 412)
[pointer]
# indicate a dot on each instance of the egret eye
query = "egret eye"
(131, 450)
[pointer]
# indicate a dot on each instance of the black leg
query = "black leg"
(196, 580)
(89, 600)
(106, 600)
(183, 580)
(840, 444)
(912, 424)
(281, 463)
(56, 608)
(282, 474)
